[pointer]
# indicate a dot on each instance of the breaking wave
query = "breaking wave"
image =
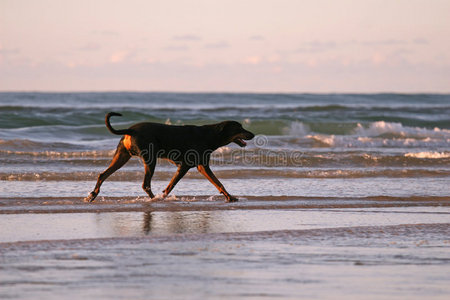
(376, 134)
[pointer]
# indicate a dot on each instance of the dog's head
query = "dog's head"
(232, 131)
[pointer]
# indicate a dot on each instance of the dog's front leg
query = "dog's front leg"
(149, 171)
(206, 171)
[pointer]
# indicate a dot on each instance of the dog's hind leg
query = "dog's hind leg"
(182, 170)
(120, 158)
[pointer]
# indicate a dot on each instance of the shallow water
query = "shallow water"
(50, 226)
(327, 187)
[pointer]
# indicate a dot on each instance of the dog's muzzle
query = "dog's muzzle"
(240, 139)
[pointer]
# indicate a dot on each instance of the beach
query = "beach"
(340, 196)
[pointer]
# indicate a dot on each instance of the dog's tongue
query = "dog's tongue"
(243, 142)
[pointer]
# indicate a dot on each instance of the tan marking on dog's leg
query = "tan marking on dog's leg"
(127, 142)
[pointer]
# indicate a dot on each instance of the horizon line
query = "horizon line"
(228, 92)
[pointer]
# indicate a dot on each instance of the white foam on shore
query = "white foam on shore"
(428, 154)
(163, 196)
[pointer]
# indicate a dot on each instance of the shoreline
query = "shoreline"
(30, 205)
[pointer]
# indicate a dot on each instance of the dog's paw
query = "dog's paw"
(149, 193)
(232, 199)
(91, 197)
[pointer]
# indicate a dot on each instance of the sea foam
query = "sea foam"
(398, 130)
(375, 134)
(428, 154)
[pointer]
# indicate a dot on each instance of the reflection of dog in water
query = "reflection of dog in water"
(186, 146)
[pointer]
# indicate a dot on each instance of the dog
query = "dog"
(186, 146)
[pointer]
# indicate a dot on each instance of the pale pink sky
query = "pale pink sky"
(226, 45)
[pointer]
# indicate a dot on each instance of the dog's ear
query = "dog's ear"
(228, 128)
(221, 127)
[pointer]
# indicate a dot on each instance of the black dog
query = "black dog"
(186, 146)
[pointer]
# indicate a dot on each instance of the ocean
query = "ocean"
(353, 184)
(384, 145)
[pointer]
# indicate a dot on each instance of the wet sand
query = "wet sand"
(201, 248)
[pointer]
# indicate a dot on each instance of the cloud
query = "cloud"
(252, 60)
(7, 53)
(11, 51)
(218, 45)
(106, 32)
(322, 46)
(256, 38)
(326, 76)
(378, 58)
(316, 46)
(118, 56)
(90, 47)
(187, 38)
(177, 48)
(124, 56)
(387, 42)
(421, 41)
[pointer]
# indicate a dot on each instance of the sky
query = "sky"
(318, 46)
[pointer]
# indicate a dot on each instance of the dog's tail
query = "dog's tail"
(118, 132)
